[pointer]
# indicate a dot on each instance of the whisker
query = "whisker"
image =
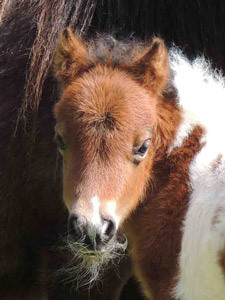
(86, 266)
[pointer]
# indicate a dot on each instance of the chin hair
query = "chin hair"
(87, 266)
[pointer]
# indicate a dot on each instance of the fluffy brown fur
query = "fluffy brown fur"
(155, 230)
(32, 215)
(81, 112)
(29, 30)
(98, 157)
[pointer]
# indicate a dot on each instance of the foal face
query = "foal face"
(105, 121)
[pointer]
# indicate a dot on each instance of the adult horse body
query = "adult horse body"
(140, 133)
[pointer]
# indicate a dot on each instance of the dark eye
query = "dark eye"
(139, 153)
(60, 142)
(143, 148)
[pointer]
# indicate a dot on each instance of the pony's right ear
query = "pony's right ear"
(71, 56)
(152, 68)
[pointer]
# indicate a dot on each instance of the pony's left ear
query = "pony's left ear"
(71, 56)
(152, 68)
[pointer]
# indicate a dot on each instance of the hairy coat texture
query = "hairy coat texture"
(172, 212)
(30, 176)
(33, 216)
(183, 216)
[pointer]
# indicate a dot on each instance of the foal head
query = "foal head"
(106, 119)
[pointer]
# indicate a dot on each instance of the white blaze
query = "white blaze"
(96, 219)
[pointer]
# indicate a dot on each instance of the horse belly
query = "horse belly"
(201, 266)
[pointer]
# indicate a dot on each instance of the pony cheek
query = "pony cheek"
(140, 181)
(67, 200)
(68, 190)
(130, 197)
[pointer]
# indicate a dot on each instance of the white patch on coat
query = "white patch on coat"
(201, 96)
(201, 276)
(188, 122)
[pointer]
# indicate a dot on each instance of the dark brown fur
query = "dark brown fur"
(156, 226)
(32, 215)
(29, 30)
(85, 101)
(98, 159)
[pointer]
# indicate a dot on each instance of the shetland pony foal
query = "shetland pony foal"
(141, 136)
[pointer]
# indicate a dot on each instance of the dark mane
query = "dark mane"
(32, 215)
(30, 29)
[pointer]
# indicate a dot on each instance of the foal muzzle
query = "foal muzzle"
(93, 236)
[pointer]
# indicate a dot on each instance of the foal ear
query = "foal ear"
(71, 56)
(152, 68)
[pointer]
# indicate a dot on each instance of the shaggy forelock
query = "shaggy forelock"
(108, 49)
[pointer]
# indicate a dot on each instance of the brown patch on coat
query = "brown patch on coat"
(216, 218)
(217, 162)
(155, 232)
(221, 260)
(219, 210)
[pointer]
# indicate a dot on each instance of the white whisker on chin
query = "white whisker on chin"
(87, 266)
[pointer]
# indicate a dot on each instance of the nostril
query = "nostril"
(74, 226)
(109, 228)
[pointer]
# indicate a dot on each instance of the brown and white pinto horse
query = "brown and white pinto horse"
(140, 133)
